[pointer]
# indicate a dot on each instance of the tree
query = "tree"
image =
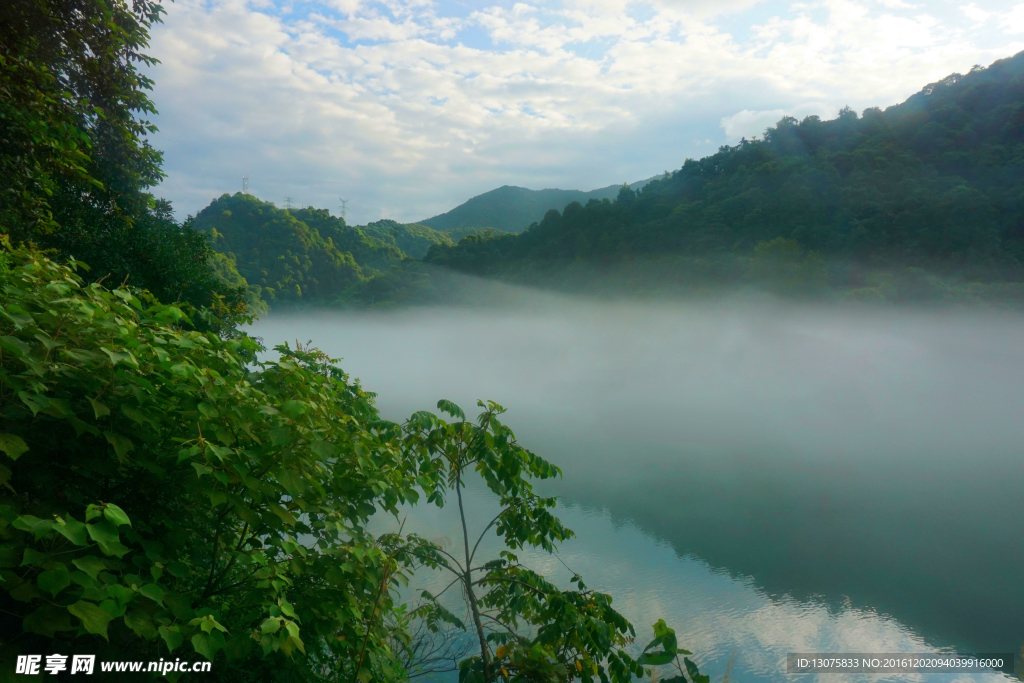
(71, 141)
(526, 628)
(75, 162)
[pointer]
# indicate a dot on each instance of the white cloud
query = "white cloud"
(749, 124)
(975, 13)
(407, 108)
(1013, 21)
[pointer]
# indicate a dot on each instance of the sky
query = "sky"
(407, 108)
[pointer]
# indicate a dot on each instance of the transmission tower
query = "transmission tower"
(288, 202)
(245, 184)
(344, 207)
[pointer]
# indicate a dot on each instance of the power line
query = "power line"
(344, 207)
(288, 202)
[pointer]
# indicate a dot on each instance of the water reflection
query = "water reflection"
(773, 479)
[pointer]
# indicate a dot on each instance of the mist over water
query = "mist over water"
(768, 477)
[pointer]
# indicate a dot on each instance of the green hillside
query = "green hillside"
(289, 257)
(511, 209)
(929, 192)
(411, 238)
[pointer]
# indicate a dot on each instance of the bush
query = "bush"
(159, 481)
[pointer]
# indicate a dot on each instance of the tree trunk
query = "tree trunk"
(467, 580)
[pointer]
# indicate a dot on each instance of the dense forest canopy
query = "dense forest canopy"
(292, 256)
(287, 257)
(512, 209)
(412, 238)
(934, 183)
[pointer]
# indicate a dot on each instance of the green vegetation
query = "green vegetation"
(168, 492)
(74, 159)
(511, 209)
(412, 238)
(922, 200)
(288, 257)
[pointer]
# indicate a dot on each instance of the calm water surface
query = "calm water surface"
(766, 478)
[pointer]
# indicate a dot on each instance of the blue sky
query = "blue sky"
(407, 108)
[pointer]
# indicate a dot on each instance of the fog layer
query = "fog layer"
(862, 458)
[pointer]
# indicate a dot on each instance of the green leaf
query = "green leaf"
(285, 516)
(324, 449)
(695, 674)
(116, 515)
(220, 452)
(293, 409)
(153, 592)
(34, 558)
(99, 409)
(172, 637)
(121, 594)
(72, 529)
(208, 410)
(446, 406)
(103, 531)
(39, 527)
(201, 469)
(35, 402)
(280, 436)
(93, 618)
(140, 622)
(122, 444)
(105, 535)
(16, 345)
(91, 565)
(270, 625)
(25, 592)
(207, 644)
(13, 445)
(137, 416)
(178, 569)
(293, 483)
(47, 620)
(114, 548)
(55, 579)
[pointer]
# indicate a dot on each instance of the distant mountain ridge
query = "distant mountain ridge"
(513, 209)
(922, 201)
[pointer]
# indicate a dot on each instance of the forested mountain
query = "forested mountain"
(511, 209)
(935, 183)
(411, 238)
(292, 256)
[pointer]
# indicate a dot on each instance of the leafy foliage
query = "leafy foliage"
(70, 141)
(167, 493)
(527, 628)
(74, 157)
(158, 488)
